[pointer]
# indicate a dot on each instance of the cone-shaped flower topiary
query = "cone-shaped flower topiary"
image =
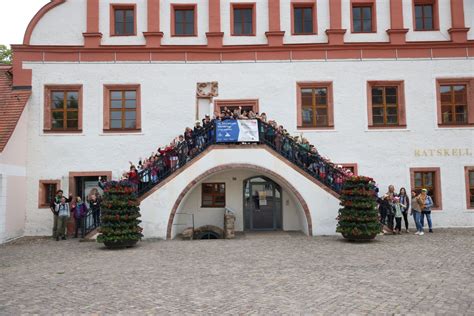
(358, 219)
(119, 215)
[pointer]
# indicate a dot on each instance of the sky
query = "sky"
(14, 18)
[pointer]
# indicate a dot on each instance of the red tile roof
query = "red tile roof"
(12, 103)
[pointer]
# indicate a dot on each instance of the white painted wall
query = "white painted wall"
(156, 208)
(13, 182)
(104, 23)
(67, 22)
(469, 17)
(261, 26)
(322, 13)
(234, 181)
(202, 23)
(385, 155)
(444, 9)
(383, 23)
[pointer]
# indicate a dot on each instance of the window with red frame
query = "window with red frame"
(243, 21)
(184, 21)
(385, 105)
(124, 23)
(426, 180)
(314, 106)
(303, 20)
(454, 104)
(471, 187)
(362, 19)
(424, 16)
(64, 110)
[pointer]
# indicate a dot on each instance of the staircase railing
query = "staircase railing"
(308, 161)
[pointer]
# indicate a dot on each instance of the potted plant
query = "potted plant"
(358, 218)
(119, 215)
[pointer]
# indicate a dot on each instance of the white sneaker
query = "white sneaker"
(421, 234)
(417, 233)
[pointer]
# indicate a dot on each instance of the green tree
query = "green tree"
(5, 55)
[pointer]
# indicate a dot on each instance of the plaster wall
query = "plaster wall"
(13, 182)
(104, 23)
(261, 8)
(202, 23)
(234, 181)
(444, 10)
(169, 105)
(382, 25)
(67, 22)
(322, 17)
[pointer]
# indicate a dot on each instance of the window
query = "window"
(425, 15)
(63, 108)
(351, 166)
(243, 19)
(428, 178)
(455, 102)
(315, 105)
(469, 171)
(183, 20)
(304, 19)
(213, 195)
(123, 20)
(47, 191)
(246, 105)
(122, 108)
(386, 105)
(362, 17)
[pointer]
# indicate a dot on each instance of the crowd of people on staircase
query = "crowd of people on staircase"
(186, 146)
(393, 207)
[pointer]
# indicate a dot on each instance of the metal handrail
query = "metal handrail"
(310, 162)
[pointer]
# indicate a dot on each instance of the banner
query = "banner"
(235, 131)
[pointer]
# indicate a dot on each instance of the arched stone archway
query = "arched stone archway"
(231, 166)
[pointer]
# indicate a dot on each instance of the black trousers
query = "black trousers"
(398, 226)
(383, 215)
(405, 219)
(390, 218)
(79, 225)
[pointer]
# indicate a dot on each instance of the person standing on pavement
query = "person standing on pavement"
(416, 212)
(62, 209)
(80, 211)
(52, 206)
(426, 203)
(405, 202)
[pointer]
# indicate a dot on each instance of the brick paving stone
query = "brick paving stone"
(261, 273)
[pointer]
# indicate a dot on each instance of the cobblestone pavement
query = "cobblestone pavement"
(255, 274)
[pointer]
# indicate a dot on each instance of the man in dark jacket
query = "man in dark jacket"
(52, 206)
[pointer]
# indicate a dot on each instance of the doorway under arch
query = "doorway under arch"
(262, 204)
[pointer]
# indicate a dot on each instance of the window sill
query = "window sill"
(371, 32)
(62, 132)
(184, 35)
(242, 35)
(377, 127)
(433, 30)
(303, 34)
(205, 206)
(123, 35)
(312, 128)
(455, 126)
(122, 132)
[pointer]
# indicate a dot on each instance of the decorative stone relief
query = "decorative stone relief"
(207, 89)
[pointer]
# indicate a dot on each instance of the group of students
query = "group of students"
(187, 145)
(62, 207)
(394, 207)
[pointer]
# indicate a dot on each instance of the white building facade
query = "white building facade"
(385, 87)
